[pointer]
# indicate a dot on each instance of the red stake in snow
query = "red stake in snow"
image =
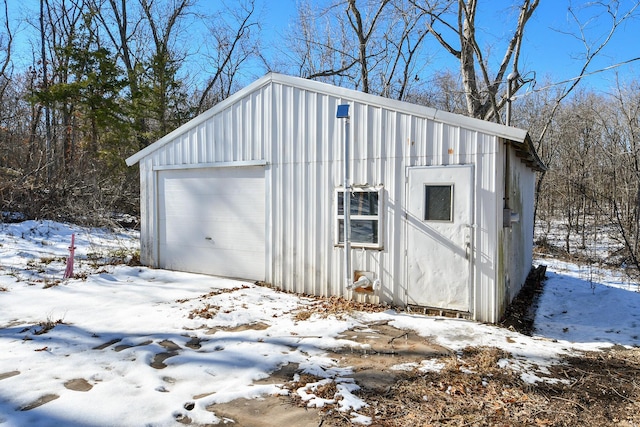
(68, 273)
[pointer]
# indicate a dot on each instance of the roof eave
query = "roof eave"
(527, 154)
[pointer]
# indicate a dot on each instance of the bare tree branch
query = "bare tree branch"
(229, 41)
(590, 54)
(482, 91)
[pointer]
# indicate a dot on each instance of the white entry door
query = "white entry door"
(440, 206)
(212, 220)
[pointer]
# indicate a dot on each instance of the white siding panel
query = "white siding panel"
(305, 258)
(520, 235)
(487, 218)
(148, 236)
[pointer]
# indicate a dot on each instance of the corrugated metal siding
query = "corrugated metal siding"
(522, 200)
(528, 185)
(148, 235)
(295, 131)
(487, 199)
(230, 136)
(385, 142)
(515, 244)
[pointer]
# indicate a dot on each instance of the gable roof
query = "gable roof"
(518, 137)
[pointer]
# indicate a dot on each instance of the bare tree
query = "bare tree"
(619, 193)
(592, 47)
(317, 47)
(453, 24)
(375, 47)
(615, 17)
(444, 91)
(7, 109)
(235, 33)
(592, 187)
(6, 46)
(59, 24)
(152, 73)
(538, 112)
(166, 60)
(363, 31)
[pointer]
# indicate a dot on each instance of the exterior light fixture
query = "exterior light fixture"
(343, 111)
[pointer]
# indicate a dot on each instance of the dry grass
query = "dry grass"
(213, 293)
(338, 307)
(208, 310)
(302, 315)
(599, 389)
(43, 327)
(594, 389)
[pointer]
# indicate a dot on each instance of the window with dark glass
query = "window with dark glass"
(438, 202)
(364, 218)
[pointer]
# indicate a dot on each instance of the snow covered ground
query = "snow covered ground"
(121, 345)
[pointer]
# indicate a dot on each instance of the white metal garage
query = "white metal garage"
(441, 204)
(212, 220)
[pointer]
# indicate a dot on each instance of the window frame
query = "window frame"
(452, 190)
(378, 217)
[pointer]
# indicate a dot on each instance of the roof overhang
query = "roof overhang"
(527, 154)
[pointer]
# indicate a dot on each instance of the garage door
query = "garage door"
(212, 221)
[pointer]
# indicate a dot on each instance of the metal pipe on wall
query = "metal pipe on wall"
(343, 113)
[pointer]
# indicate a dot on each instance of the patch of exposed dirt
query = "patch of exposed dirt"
(284, 374)
(107, 344)
(172, 348)
(78, 384)
(170, 345)
(375, 349)
(257, 326)
(5, 375)
(271, 411)
(194, 343)
(40, 401)
(521, 313)
(123, 347)
(158, 360)
(378, 348)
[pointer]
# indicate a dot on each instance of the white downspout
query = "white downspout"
(343, 113)
(347, 208)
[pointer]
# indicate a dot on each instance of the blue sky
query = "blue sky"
(548, 52)
(553, 56)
